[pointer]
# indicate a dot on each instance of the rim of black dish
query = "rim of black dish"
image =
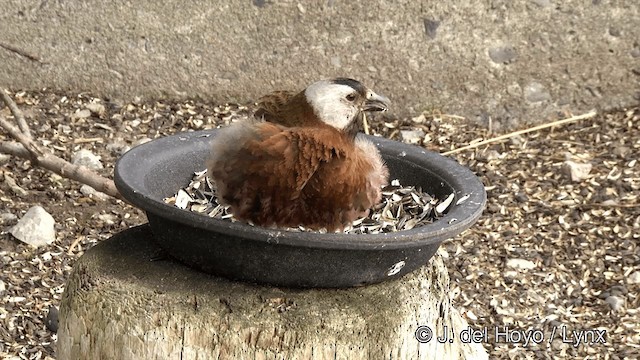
(131, 183)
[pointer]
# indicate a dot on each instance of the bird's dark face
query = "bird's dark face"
(340, 102)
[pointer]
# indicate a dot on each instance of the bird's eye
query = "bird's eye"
(351, 97)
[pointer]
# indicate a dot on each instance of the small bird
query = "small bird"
(299, 161)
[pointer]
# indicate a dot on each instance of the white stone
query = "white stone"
(576, 171)
(421, 119)
(88, 191)
(108, 219)
(521, 264)
(81, 114)
(615, 302)
(634, 278)
(87, 159)
(96, 109)
(35, 228)
(412, 136)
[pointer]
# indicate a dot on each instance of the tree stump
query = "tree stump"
(121, 303)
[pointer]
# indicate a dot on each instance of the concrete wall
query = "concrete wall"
(513, 60)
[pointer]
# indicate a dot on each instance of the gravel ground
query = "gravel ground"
(550, 254)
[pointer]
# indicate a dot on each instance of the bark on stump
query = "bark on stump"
(119, 304)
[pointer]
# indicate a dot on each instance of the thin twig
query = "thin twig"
(519, 132)
(29, 149)
(33, 148)
(63, 168)
(74, 244)
(601, 205)
(87, 140)
(22, 124)
(20, 52)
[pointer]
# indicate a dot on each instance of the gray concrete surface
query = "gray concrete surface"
(512, 61)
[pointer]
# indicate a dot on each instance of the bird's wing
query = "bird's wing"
(269, 106)
(297, 152)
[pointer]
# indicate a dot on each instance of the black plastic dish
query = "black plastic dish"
(157, 169)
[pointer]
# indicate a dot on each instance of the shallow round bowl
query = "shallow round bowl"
(148, 173)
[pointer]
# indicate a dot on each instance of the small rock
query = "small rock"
(634, 278)
(96, 109)
(81, 114)
(108, 219)
(521, 264)
(4, 158)
(536, 92)
(7, 219)
(88, 191)
(35, 228)
(577, 172)
(503, 54)
(521, 197)
(431, 27)
(65, 129)
(52, 319)
(618, 290)
(421, 119)
(615, 302)
(412, 136)
(87, 159)
(3, 287)
(615, 32)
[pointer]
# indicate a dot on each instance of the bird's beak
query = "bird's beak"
(375, 102)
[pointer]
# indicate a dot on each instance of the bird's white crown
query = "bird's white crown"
(331, 104)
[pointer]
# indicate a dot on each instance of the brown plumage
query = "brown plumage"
(304, 165)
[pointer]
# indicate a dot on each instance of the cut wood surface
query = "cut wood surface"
(123, 302)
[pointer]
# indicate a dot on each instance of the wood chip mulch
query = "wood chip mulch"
(549, 256)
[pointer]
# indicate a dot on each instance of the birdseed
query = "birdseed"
(401, 208)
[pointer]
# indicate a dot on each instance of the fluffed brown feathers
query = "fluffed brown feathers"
(285, 108)
(316, 177)
(299, 162)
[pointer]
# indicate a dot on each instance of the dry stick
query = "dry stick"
(63, 168)
(22, 124)
(619, 206)
(519, 132)
(28, 149)
(18, 135)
